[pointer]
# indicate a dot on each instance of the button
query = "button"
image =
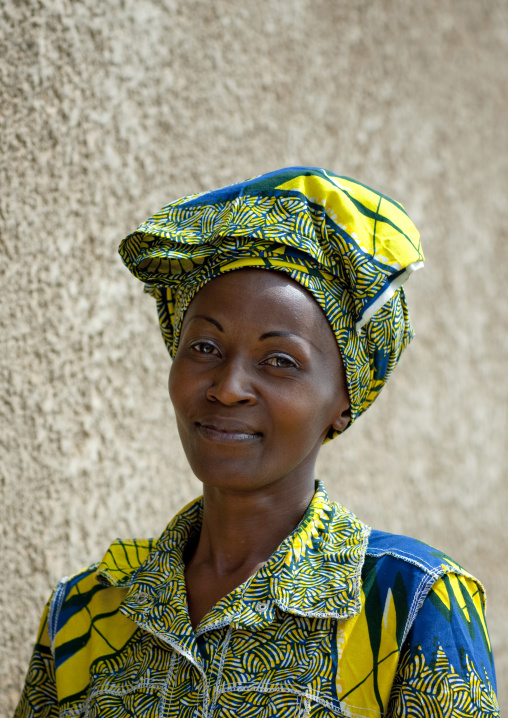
(140, 597)
(261, 606)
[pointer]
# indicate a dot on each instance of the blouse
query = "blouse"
(342, 620)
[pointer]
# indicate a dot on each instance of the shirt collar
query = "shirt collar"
(315, 572)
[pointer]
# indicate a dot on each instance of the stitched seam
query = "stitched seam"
(217, 691)
(214, 626)
(170, 675)
(72, 711)
(106, 690)
(358, 576)
(179, 650)
(306, 708)
(403, 555)
(265, 687)
(419, 597)
(315, 614)
(54, 611)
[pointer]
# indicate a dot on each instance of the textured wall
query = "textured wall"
(108, 111)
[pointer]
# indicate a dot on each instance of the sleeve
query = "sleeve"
(446, 667)
(39, 697)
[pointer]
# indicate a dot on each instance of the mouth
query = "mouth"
(227, 432)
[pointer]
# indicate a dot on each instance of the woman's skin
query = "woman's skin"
(256, 384)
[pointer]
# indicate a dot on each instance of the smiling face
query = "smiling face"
(257, 382)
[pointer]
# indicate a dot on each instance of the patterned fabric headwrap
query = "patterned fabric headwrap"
(349, 246)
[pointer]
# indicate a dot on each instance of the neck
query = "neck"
(242, 530)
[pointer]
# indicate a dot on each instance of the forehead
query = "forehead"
(261, 295)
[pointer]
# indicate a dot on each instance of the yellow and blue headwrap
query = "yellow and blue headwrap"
(349, 246)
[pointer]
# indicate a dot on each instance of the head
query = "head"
(350, 247)
(257, 381)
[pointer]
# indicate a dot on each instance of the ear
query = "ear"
(342, 420)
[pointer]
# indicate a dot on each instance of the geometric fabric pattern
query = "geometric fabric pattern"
(349, 246)
(340, 621)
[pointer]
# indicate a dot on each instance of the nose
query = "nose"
(231, 383)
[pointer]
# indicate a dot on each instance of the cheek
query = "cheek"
(304, 416)
(178, 386)
(171, 383)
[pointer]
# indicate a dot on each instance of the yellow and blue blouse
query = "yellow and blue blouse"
(342, 620)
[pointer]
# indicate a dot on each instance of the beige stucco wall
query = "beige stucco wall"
(109, 110)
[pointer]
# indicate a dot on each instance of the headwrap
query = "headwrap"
(349, 246)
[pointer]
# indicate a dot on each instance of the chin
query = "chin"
(229, 475)
(224, 479)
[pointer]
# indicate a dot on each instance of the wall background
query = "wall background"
(110, 110)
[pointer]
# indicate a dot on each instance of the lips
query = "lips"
(227, 431)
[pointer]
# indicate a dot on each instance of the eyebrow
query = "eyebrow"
(281, 333)
(207, 319)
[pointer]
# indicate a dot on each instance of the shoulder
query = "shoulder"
(412, 575)
(399, 553)
(97, 589)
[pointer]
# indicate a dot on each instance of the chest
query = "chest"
(295, 666)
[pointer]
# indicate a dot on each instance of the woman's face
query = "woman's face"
(256, 382)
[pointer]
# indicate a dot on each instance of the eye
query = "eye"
(204, 347)
(281, 361)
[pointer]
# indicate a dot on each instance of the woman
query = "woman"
(263, 598)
